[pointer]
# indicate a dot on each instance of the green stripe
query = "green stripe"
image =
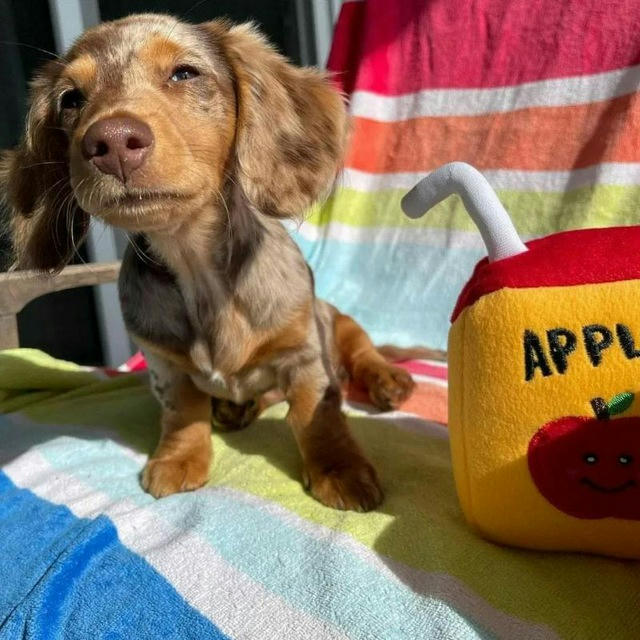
(32, 369)
(533, 213)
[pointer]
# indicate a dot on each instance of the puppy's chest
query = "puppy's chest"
(229, 353)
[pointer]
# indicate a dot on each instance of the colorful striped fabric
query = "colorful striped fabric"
(541, 96)
(85, 553)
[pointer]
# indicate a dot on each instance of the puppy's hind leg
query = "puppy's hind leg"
(388, 386)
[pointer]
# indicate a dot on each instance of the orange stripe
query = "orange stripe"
(540, 138)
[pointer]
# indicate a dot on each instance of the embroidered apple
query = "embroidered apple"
(590, 467)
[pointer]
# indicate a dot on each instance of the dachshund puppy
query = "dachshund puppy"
(198, 140)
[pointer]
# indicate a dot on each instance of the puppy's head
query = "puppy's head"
(148, 122)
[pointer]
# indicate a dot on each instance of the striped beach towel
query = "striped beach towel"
(540, 95)
(85, 553)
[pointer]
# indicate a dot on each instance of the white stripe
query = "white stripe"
(422, 377)
(556, 92)
(60, 432)
(398, 419)
(438, 238)
(232, 600)
(434, 363)
(611, 173)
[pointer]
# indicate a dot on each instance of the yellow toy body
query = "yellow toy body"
(494, 412)
(544, 415)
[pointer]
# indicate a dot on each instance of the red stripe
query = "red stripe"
(584, 256)
(401, 46)
(136, 362)
(346, 50)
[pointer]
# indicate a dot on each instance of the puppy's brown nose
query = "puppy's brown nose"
(117, 146)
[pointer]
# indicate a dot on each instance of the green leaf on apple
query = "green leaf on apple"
(620, 403)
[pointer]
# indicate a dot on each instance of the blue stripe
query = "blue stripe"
(71, 578)
(423, 282)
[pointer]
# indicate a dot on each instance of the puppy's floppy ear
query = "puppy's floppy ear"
(46, 223)
(291, 126)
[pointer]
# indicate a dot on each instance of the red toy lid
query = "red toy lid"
(583, 256)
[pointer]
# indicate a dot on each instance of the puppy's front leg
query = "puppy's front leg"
(183, 455)
(335, 470)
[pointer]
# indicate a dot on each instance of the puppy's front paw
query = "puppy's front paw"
(388, 386)
(351, 485)
(164, 476)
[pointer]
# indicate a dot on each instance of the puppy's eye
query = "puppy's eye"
(183, 72)
(72, 99)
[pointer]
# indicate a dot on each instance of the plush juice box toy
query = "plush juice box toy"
(544, 368)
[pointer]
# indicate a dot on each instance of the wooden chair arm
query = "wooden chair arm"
(18, 288)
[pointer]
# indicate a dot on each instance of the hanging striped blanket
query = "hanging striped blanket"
(540, 95)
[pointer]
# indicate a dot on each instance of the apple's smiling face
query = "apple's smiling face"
(589, 467)
(609, 466)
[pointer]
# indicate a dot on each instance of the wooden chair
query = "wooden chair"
(18, 288)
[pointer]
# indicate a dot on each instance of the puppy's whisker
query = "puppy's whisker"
(137, 250)
(69, 205)
(145, 257)
(192, 8)
(58, 58)
(70, 222)
(229, 226)
(44, 196)
(58, 206)
(40, 164)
